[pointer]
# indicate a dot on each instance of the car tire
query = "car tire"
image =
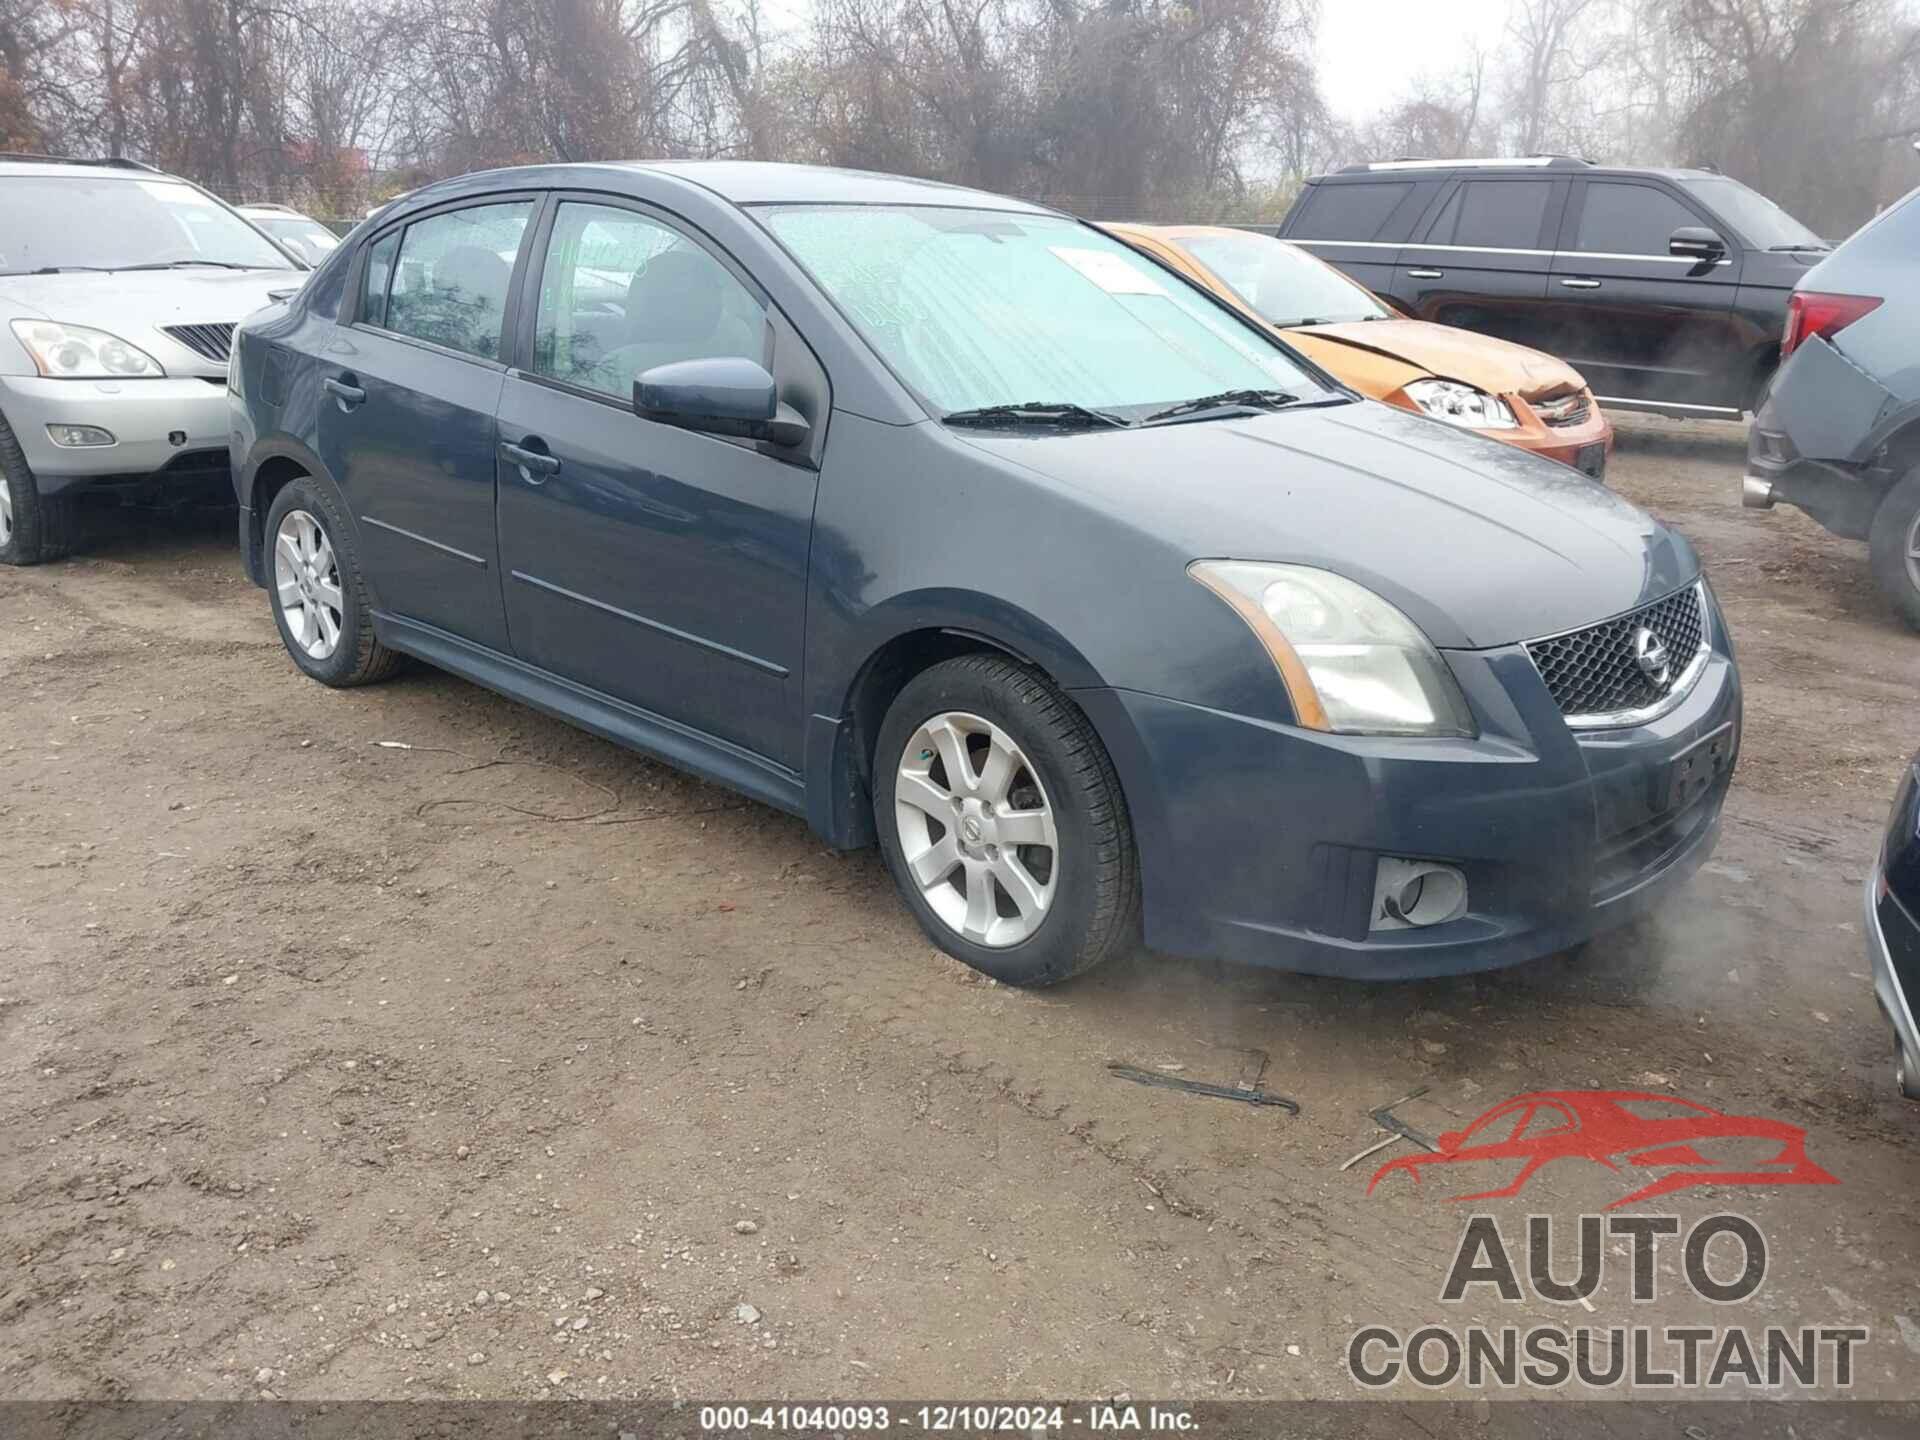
(318, 591)
(34, 528)
(1038, 815)
(1893, 546)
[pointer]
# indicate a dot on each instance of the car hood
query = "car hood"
(135, 304)
(1497, 366)
(1480, 543)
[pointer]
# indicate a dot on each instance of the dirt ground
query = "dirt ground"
(404, 1042)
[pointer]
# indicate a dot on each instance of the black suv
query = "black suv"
(1667, 289)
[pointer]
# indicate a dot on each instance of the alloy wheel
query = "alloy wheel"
(6, 512)
(976, 829)
(1913, 552)
(307, 580)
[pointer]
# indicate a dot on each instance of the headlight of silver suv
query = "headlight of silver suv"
(73, 352)
(1459, 404)
(1351, 662)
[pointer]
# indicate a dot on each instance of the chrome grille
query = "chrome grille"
(211, 341)
(1593, 674)
(1567, 410)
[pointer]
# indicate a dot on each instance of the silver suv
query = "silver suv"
(119, 290)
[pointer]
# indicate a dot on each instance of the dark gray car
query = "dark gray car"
(1839, 435)
(947, 521)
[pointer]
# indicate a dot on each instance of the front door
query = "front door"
(407, 417)
(656, 565)
(1638, 322)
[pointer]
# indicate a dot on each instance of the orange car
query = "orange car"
(1503, 390)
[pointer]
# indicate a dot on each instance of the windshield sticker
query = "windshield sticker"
(1110, 272)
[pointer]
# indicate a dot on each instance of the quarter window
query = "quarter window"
(450, 285)
(1349, 211)
(621, 293)
(1629, 220)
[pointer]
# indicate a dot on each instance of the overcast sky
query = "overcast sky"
(1372, 50)
(1369, 52)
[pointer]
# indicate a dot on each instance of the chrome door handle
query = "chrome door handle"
(532, 463)
(1427, 274)
(1581, 284)
(349, 396)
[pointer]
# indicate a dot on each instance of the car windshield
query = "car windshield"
(979, 308)
(1762, 223)
(117, 222)
(1282, 284)
(310, 237)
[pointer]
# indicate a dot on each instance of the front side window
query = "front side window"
(50, 223)
(1283, 285)
(621, 293)
(1494, 214)
(1760, 222)
(983, 308)
(450, 283)
(1629, 220)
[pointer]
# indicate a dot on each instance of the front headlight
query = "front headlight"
(1351, 662)
(73, 352)
(1459, 404)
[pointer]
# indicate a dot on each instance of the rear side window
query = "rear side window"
(1494, 214)
(450, 285)
(1629, 220)
(1347, 212)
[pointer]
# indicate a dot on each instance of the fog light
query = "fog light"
(1412, 894)
(80, 437)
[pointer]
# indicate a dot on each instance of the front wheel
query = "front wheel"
(1001, 820)
(33, 527)
(1893, 545)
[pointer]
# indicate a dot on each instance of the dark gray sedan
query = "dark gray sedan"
(947, 522)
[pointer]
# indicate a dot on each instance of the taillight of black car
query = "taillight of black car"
(1812, 312)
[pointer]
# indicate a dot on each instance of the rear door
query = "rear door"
(407, 421)
(1358, 224)
(1481, 262)
(660, 566)
(1638, 322)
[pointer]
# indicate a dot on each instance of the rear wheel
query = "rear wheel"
(1001, 819)
(318, 592)
(1894, 546)
(33, 527)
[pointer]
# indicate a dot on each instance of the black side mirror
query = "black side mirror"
(724, 396)
(1696, 242)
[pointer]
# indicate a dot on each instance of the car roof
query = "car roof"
(755, 182)
(1403, 169)
(76, 171)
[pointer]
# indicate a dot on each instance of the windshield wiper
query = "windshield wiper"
(60, 270)
(1225, 400)
(1818, 245)
(1062, 414)
(181, 264)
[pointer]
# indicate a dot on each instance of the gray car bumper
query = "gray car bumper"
(1887, 988)
(155, 424)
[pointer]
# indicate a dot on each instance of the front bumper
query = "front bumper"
(1569, 444)
(175, 425)
(1259, 842)
(1893, 949)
